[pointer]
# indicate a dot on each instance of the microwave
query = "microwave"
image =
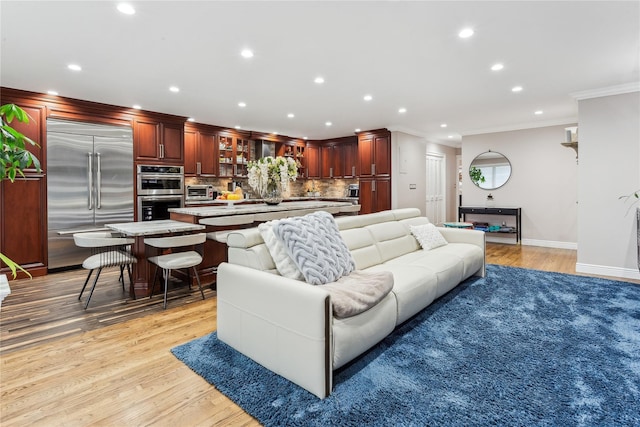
(199, 192)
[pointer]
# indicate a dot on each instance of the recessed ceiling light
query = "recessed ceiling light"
(291, 115)
(174, 89)
(136, 106)
(328, 123)
(238, 127)
(318, 80)
(450, 136)
(305, 137)
(516, 89)
(191, 119)
(52, 92)
(247, 53)
(357, 130)
(274, 133)
(497, 67)
(465, 33)
(443, 125)
(368, 97)
(539, 112)
(74, 67)
(242, 104)
(126, 8)
(402, 110)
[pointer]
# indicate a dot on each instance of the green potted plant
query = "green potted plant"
(476, 175)
(14, 157)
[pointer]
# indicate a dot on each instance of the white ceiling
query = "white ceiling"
(404, 54)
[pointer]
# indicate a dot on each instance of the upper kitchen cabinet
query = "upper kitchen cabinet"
(374, 153)
(200, 151)
(312, 160)
(296, 150)
(158, 141)
(338, 158)
(235, 152)
(32, 130)
(349, 158)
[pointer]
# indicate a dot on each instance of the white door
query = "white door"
(436, 199)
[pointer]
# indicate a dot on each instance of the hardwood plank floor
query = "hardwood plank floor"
(112, 366)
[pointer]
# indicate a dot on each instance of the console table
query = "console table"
(516, 212)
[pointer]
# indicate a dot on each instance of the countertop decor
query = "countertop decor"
(270, 177)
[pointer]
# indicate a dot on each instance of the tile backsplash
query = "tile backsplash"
(298, 188)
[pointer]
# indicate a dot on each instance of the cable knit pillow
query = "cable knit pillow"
(314, 243)
(284, 264)
(428, 236)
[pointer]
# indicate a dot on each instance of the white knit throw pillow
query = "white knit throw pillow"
(284, 264)
(316, 246)
(428, 236)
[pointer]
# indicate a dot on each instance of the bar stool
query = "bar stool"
(226, 221)
(107, 251)
(175, 260)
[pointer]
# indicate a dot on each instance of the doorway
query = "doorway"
(436, 184)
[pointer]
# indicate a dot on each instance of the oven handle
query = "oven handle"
(155, 198)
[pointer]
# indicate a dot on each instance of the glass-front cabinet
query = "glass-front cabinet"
(235, 153)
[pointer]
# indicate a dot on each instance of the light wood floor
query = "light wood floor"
(120, 372)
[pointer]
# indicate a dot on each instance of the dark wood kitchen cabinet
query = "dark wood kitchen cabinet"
(312, 154)
(200, 152)
(374, 154)
(338, 158)
(23, 212)
(23, 230)
(155, 141)
(375, 195)
(374, 168)
(329, 160)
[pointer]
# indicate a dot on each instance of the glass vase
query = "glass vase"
(273, 194)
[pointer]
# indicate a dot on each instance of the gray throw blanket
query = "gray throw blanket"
(358, 292)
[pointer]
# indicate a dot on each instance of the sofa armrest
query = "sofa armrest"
(474, 237)
(283, 324)
(461, 235)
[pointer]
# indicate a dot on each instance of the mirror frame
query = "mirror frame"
(471, 165)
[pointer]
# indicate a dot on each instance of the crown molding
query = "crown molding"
(454, 143)
(607, 91)
(521, 126)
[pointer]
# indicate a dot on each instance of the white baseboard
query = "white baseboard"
(605, 270)
(550, 244)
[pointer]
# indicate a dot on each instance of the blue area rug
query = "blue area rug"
(519, 347)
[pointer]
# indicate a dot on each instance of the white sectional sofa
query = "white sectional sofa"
(287, 325)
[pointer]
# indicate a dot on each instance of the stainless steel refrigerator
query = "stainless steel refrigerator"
(89, 183)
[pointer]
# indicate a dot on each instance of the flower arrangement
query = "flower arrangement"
(267, 174)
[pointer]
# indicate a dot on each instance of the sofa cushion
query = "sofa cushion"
(414, 287)
(284, 264)
(316, 246)
(428, 236)
(362, 247)
(392, 239)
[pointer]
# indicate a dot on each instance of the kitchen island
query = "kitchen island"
(141, 274)
(216, 252)
(189, 214)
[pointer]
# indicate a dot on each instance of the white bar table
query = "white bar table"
(139, 230)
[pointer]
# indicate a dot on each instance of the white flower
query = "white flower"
(268, 171)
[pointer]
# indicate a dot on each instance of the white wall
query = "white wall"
(409, 167)
(609, 141)
(543, 182)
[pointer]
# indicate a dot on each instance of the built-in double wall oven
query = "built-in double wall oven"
(159, 189)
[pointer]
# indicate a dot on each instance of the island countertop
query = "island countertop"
(250, 208)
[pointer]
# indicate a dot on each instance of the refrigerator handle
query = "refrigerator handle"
(98, 181)
(90, 179)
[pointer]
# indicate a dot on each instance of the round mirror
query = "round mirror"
(490, 170)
